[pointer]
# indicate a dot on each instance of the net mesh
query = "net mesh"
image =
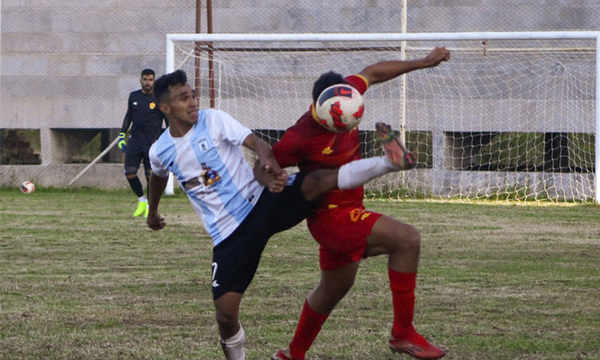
(503, 119)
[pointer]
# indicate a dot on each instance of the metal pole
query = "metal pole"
(597, 114)
(211, 74)
(197, 47)
(508, 35)
(403, 77)
(85, 169)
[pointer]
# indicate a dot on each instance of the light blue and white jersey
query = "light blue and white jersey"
(210, 167)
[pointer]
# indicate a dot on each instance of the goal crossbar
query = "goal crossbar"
(456, 36)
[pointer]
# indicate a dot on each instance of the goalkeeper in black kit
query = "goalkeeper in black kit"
(145, 121)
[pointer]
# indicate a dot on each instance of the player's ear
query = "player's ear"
(164, 108)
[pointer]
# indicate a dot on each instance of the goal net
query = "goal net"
(511, 116)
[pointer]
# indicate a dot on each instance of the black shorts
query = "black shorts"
(136, 153)
(236, 259)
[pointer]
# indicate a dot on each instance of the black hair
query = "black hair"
(162, 86)
(324, 81)
(147, 72)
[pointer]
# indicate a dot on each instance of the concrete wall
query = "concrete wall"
(71, 64)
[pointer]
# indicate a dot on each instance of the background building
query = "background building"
(68, 66)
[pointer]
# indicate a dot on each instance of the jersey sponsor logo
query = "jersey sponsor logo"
(214, 273)
(327, 151)
(204, 184)
(208, 175)
(191, 183)
(152, 105)
(203, 145)
(358, 214)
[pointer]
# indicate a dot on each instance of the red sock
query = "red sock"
(307, 330)
(403, 298)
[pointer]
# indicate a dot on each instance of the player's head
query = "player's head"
(147, 80)
(324, 81)
(175, 97)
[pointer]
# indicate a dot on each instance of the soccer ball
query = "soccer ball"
(27, 187)
(340, 108)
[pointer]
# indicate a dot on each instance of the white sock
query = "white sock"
(360, 172)
(234, 346)
(143, 198)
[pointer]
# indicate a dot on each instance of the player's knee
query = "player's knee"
(130, 171)
(227, 319)
(409, 238)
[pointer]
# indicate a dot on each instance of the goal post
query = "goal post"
(513, 115)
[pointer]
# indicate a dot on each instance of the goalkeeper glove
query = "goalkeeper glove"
(122, 144)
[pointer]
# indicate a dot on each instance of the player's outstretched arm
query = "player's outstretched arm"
(155, 190)
(387, 70)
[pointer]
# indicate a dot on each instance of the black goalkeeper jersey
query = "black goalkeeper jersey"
(143, 113)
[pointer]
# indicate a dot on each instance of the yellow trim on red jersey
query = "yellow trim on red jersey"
(364, 79)
(313, 112)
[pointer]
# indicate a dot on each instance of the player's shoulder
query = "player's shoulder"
(305, 124)
(215, 118)
(136, 95)
(359, 82)
(164, 141)
(209, 112)
(219, 120)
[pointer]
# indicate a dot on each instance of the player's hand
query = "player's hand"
(276, 175)
(278, 181)
(155, 221)
(436, 56)
(122, 144)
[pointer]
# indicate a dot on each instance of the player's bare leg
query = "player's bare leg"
(334, 285)
(402, 243)
(232, 335)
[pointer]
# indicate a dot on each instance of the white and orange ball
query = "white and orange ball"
(27, 187)
(340, 108)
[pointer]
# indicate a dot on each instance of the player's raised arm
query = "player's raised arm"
(387, 70)
(155, 190)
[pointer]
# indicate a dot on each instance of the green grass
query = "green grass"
(81, 279)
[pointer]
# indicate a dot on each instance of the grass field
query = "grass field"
(81, 279)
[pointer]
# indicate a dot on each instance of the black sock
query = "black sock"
(136, 186)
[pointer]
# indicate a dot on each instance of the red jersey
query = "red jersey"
(310, 146)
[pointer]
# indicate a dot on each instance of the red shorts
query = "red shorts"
(342, 234)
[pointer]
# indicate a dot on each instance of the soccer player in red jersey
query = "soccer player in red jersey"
(358, 233)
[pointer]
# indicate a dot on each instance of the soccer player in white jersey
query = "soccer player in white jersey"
(241, 208)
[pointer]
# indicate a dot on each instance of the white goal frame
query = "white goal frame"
(307, 37)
